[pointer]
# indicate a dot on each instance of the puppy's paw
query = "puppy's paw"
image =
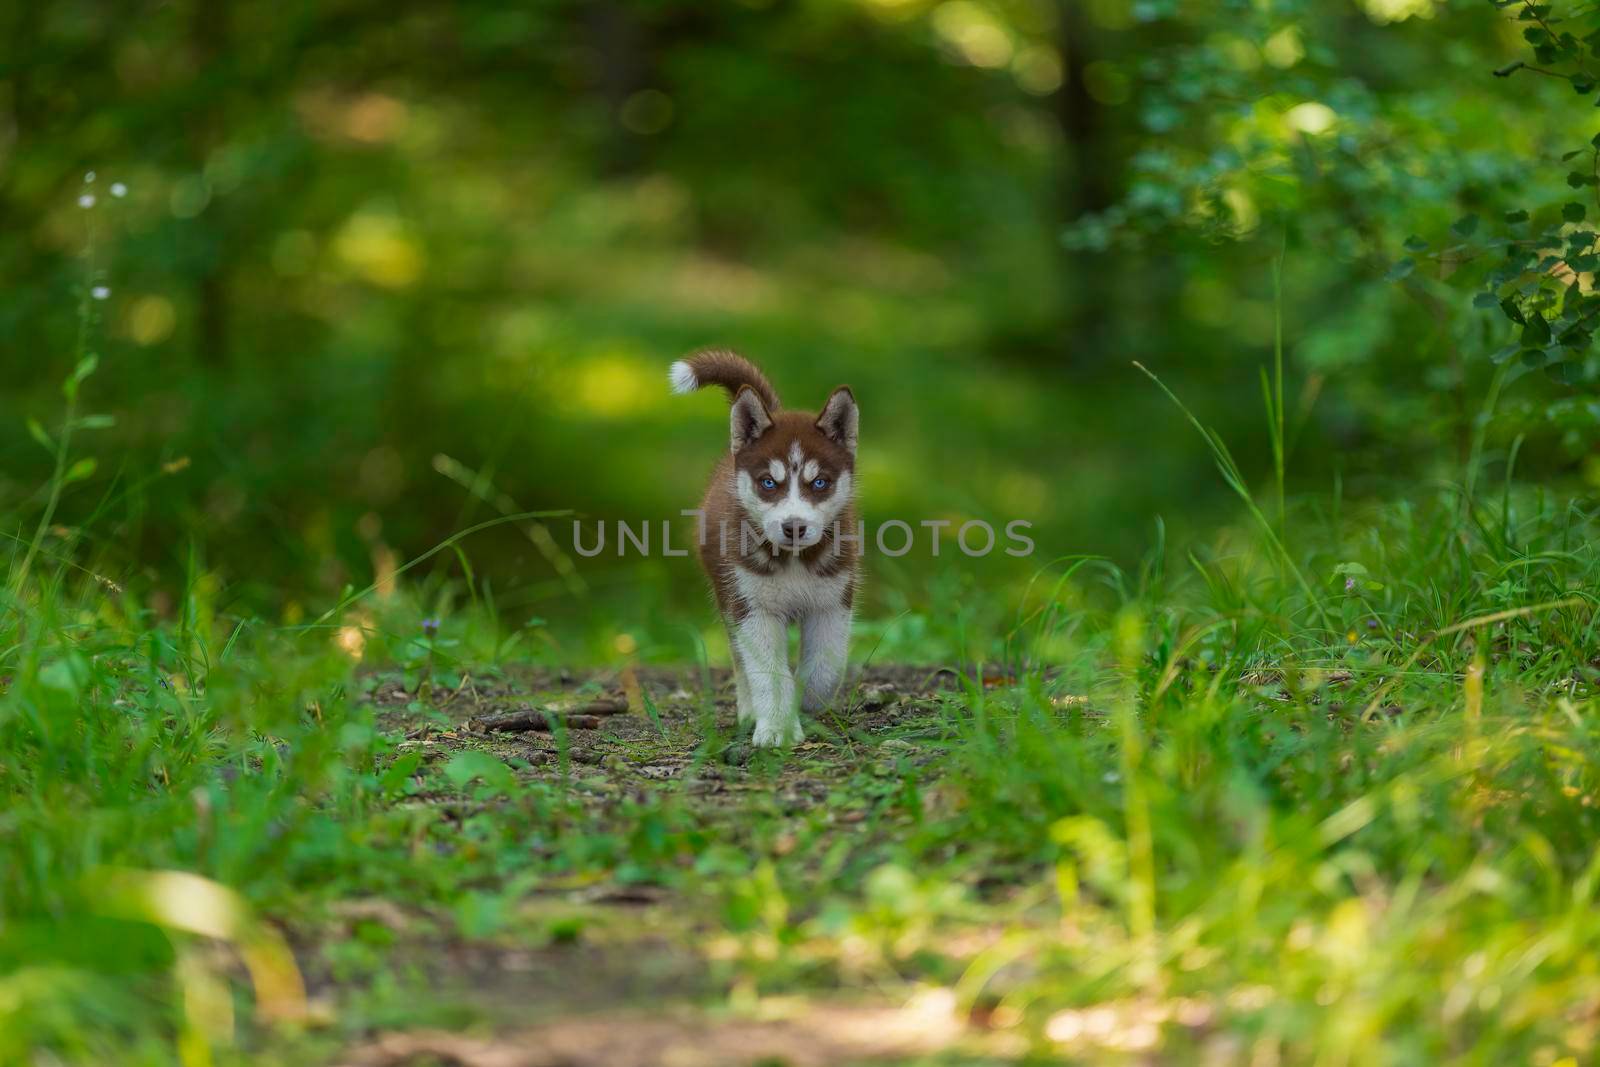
(777, 732)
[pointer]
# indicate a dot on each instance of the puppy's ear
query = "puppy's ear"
(748, 420)
(840, 420)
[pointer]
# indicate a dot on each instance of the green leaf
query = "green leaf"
(1565, 372)
(1576, 339)
(1485, 300)
(472, 764)
(1573, 212)
(85, 367)
(1401, 270)
(1577, 179)
(1515, 217)
(401, 769)
(69, 675)
(36, 432)
(1465, 226)
(1535, 332)
(80, 470)
(97, 422)
(1416, 244)
(1513, 312)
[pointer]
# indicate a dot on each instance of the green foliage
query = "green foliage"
(1306, 777)
(1198, 808)
(1361, 139)
(360, 291)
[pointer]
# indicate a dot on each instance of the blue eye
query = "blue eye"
(820, 483)
(768, 483)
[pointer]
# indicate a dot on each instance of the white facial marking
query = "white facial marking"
(791, 509)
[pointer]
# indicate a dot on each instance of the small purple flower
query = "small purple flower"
(430, 626)
(1372, 624)
(1349, 585)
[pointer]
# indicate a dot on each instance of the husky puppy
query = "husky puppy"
(780, 541)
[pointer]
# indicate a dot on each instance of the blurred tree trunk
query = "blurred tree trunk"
(24, 37)
(618, 41)
(1089, 185)
(209, 39)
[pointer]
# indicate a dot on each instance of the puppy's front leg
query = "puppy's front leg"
(741, 680)
(762, 642)
(824, 649)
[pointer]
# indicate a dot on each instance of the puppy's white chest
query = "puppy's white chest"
(791, 590)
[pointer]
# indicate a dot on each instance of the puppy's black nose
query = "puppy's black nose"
(794, 532)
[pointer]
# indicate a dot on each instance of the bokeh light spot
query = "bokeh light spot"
(1283, 49)
(379, 248)
(1311, 117)
(1386, 11)
(894, 10)
(974, 33)
(615, 385)
(1038, 69)
(189, 197)
(151, 320)
(374, 118)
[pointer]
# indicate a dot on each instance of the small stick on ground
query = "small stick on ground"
(539, 719)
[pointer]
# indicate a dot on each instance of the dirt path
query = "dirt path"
(636, 985)
(617, 733)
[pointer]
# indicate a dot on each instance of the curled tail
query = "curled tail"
(718, 366)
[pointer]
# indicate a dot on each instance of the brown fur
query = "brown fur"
(779, 555)
(724, 511)
(731, 371)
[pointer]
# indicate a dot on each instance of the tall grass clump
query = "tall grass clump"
(1324, 799)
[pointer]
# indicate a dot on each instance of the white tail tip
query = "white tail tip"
(682, 377)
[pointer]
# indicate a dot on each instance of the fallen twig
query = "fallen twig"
(542, 719)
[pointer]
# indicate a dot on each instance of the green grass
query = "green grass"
(1332, 808)
(1319, 790)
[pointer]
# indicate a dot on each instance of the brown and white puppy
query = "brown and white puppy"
(779, 540)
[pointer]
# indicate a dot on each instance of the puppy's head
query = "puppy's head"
(793, 472)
